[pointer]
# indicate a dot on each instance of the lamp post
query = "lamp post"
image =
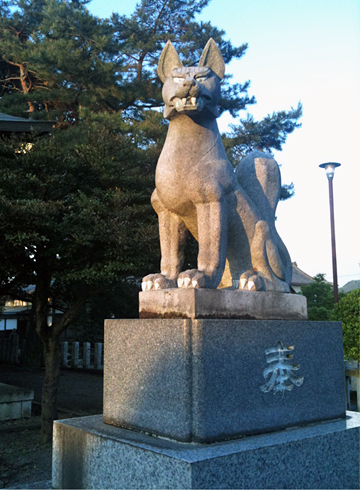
(330, 170)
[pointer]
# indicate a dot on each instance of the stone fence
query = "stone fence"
(82, 355)
(76, 355)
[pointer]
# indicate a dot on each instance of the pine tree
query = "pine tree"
(142, 36)
(75, 212)
(266, 135)
(56, 58)
(73, 220)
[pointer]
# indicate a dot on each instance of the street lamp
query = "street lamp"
(330, 170)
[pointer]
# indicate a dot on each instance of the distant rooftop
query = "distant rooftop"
(12, 124)
(299, 277)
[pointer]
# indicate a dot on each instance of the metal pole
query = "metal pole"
(333, 248)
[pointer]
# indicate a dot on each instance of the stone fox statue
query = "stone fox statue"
(230, 213)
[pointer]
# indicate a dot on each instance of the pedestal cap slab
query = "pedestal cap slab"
(205, 380)
(221, 303)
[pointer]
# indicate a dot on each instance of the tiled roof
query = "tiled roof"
(12, 124)
(299, 277)
(15, 310)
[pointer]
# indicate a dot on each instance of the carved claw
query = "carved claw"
(256, 281)
(186, 282)
(198, 281)
(146, 285)
(251, 281)
(191, 279)
(156, 282)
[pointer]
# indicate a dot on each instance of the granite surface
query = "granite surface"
(90, 454)
(15, 402)
(202, 380)
(9, 393)
(221, 303)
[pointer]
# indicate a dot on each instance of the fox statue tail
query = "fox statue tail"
(259, 175)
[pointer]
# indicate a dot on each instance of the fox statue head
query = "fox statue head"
(191, 90)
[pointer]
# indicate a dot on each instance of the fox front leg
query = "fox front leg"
(212, 238)
(173, 232)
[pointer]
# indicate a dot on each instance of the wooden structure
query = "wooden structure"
(11, 124)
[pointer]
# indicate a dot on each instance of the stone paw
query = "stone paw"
(153, 282)
(251, 281)
(191, 279)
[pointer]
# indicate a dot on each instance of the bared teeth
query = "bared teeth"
(186, 101)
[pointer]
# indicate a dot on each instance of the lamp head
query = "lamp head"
(330, 169)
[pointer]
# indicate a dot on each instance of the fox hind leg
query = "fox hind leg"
(265, 258)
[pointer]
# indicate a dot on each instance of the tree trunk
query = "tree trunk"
(50, 388)
(49, 340)
(24, 85)
(32, 356)
(140, 66)
(49, 336)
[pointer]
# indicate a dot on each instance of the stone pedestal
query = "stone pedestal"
(90, 454)
(234, 402)
(15, 402)
(202, 380)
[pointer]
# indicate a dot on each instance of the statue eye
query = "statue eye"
(178, 80)
(201, 79)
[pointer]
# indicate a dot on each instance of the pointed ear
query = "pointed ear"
(212, 58)
(169, 59)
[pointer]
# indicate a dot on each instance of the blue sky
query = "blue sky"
(308, 51)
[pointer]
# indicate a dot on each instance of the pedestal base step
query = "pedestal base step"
(90, 454)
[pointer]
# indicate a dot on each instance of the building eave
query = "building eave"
(13, 124)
